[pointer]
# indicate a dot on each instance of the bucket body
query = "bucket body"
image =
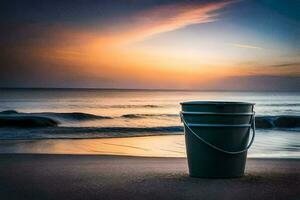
(206, 162)
(217, 137)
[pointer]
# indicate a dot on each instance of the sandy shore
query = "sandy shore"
(30, 176)
(146, 146)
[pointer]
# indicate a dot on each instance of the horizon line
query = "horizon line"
(140, 89)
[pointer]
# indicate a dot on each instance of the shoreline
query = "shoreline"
(48, 176)
(132, 156)
(147, 146)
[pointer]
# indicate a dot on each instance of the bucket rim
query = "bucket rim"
(220, 125)
(216, 103)
(216, 113)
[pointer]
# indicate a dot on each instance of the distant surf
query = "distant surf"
(148, 115)
(12, 118)
(88, 114)
(9, 133)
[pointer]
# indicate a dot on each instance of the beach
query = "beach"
(136, 100)
(111, 144)
(41, 176)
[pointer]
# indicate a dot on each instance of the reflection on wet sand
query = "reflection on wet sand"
(154, 146)
(150, 146)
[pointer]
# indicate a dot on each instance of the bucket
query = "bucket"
(217, 136)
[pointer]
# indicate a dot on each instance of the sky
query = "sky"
(158, 44)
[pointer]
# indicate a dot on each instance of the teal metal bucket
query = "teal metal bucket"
(216, 147)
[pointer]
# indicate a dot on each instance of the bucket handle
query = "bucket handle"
(218, 148)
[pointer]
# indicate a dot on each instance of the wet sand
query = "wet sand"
(146, 146)
(41, 176)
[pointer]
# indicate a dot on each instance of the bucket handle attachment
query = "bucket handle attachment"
(218, 148)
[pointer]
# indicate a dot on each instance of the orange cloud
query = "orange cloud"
(138, 27)
(107, 52)
(168, 18)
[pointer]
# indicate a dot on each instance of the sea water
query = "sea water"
(95, 113)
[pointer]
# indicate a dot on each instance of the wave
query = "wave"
(12, 118)
(165, 129)
(148, 115)
(280, 104)
(284, 121)
(135, 106)
(9, 112)
(87, 132)
(27, 121)
(281, 121)
(75, 116)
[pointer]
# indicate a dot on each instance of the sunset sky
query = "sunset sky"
(203, 45)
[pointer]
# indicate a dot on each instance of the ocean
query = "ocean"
(62, 115)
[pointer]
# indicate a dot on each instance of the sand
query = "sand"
(41, 176)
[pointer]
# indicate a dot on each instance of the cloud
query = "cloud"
(171, 17)
(103, 46)
(62, 51)
(246, 46)
(271, 68)
(289, 64)
(258, 83)
(65, 42)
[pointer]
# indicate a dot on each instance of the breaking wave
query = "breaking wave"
(86, 132)
(135, 106)
(27, 121)
(148, 115)
(12, 118)
(284, 121)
